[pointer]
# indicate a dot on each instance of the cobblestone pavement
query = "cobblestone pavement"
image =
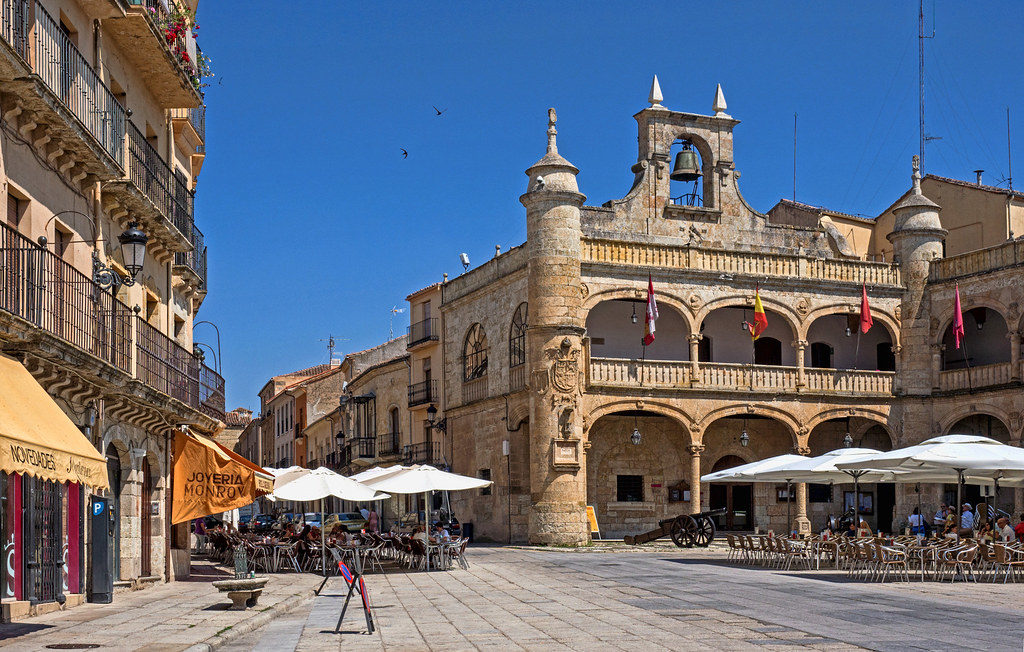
(665, 598)
(163, 618)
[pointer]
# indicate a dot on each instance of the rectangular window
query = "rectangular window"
(819, 493)
(485, 474)
(630, 488)
(13, 211)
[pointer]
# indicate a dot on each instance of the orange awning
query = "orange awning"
(36, 436)
(210, 479)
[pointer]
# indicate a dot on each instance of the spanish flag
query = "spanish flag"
(760, 318)
(652, 313)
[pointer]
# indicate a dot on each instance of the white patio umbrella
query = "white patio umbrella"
(822, 469)
(423, 478)
(306, 485)
(376, 472)
(972, 458)
(739, 473)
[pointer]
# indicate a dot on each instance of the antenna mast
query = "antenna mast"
(920, 78)
(1009, 159)
(794, 156)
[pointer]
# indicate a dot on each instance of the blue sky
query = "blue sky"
(317, 226)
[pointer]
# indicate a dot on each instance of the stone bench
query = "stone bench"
(244, 592)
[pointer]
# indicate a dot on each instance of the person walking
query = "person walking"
(916, 521)
(373, 521)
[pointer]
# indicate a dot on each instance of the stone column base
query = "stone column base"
(559, 524)
(803, 525)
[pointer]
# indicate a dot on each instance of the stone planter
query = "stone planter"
(244, 592)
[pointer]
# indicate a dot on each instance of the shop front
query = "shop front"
(46, 469)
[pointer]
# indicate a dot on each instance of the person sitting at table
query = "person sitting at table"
(304, 535)
(338, 531)
(851, 531)
(987, 533)
(420, 535)
(950, 526)
(939, 521)
(1004, 531)
(440, 534)
(1019, 529)
(966, 517)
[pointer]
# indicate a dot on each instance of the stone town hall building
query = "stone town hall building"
(543, 342)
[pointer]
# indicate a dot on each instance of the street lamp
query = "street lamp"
(847, 441)
(133, 252)
(635, 437)
(433, 421)
(744, 438)
(633, 318)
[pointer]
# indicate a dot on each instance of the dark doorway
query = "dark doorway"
(821, 355)
(886, 506)
(114, 479)
(147, 519)
(736, 499)
(886, 358)
(768, 351)
(43, 540)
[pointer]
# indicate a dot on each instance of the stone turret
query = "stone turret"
(554, 349)
(917, 239)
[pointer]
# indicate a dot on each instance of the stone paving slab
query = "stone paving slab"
(166, 617)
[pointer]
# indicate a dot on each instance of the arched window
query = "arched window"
(821, 355)
(768, 350)
(517, 338)
(474, 354)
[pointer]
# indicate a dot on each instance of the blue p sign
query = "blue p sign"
(97, 507)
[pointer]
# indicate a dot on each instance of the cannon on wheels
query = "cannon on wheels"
(686, 530)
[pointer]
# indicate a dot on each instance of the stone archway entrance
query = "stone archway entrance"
(737, 499)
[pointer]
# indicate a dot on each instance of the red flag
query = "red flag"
(652, 313)
(958, 318)
(865, 310)
(760, 322)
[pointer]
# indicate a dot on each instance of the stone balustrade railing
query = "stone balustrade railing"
(1007, 254)
(980, 376)
(744, 263)
(727, 376)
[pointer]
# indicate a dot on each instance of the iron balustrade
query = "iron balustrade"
(195, 259)
(387, 444)
(50, 54)
(364, 447)
(159, 13)
(423, 331)
(428, 452)
(154, 178)
(43, 289)
(420, 393)
(197, 118)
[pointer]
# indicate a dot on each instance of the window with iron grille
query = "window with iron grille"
(485, 474)
(474, 354)
(517, 338)
(630, 488)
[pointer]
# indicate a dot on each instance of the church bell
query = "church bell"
(686, 167)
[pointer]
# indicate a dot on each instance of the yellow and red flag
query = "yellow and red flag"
(760, 318)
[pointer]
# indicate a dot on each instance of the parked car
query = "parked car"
(243, 522)
(312, 519)
(351, 521)
(262, 523)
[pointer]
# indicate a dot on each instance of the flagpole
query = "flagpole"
(856, 351)
(643, 361)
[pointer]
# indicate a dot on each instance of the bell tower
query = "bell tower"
(558, 489)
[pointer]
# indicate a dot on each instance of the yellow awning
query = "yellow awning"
(210, 479)
(37, 438)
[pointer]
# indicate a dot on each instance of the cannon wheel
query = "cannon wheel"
(704, 531)
(682, 531)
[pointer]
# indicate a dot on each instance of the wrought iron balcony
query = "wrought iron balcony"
(428, 452)
(422, 331)
(157, 40)
(193, 262)
(364, 447)
(420, 393)
(53, 296)
(168, 191)
(387, 444)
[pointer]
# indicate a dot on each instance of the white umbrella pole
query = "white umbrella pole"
(959, 500)
(323, 539)
(856, 504)
(789, 507)
(426, 523)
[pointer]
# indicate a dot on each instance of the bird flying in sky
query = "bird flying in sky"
(405, 154)
(439, 111)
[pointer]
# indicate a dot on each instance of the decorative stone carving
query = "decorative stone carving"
(898, 313)
(693, 301)
(584, 290)
(565, 454)
(802, 450)
(565, 372)
(695, 449)
(934, 325)
(539, 381)
(802, 306)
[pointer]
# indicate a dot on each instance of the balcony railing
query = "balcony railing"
(420, 393)
(744, 263)
(981, 376)
(474, 390)
(1001, 256)
(664, 374)
(517, 378)
(387, 444)
(364, 447)
(195, 260)
(155, 179)
(423, 331)
(183, 45)
(41, 288)
(197, 118)
(428, 452)
(51, 55)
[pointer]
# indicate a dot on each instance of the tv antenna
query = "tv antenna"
(924, 138)
(395, 310)
(332, 343)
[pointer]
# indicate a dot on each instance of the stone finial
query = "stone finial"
(916, 176)
(552, 132)
(720, 106)
(655, 96)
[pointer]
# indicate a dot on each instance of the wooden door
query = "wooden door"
(147, 519)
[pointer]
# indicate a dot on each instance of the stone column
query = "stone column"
(801, 375)
(937, 350)
(558, 487)
(897, 384)
(695, 451)
(694, 340)
(802, 523)
(1014, 354)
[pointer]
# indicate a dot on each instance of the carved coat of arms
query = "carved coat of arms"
(565, 372)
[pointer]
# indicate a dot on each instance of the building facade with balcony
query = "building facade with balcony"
(545, 376)
(98, 114)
